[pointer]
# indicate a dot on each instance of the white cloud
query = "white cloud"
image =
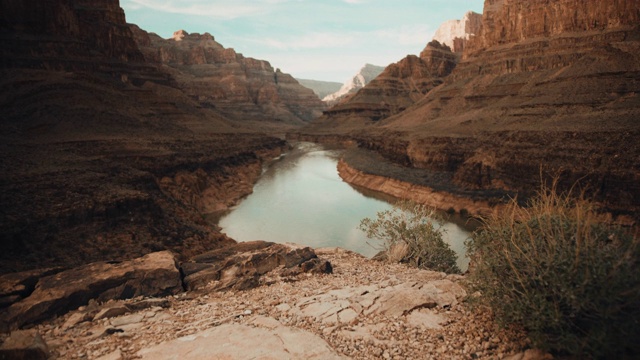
(406, 35)
(214, 9)
(311, 41)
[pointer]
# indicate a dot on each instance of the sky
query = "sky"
(327, 40)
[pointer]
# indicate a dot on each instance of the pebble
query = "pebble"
(465, 335)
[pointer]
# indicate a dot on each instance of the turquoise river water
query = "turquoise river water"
(300, 198)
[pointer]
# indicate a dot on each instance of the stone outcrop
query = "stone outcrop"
(545, 89)
(365, 309)
(240, 266)
(24, 345)
(152, 275)
(73, 35)
(16, 286)
(243, 89)
(42, 294)
(367, 73)
(456, 33)
(446, 200)
(343, 306)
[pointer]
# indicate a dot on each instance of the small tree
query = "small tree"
(412, 233)
(567, 279)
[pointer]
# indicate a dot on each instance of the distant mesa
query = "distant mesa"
(357, 82)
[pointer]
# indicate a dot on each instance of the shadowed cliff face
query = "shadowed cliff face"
(103, 156)
(547, 87)
(244, 89)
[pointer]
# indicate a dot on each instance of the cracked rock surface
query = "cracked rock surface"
(364, 310)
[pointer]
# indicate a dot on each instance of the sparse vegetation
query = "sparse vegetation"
(569, 280)
(412, 233)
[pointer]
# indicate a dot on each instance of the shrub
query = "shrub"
(567, 279)
(412, 233)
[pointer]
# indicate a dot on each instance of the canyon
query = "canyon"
(242, 89)
(108, 155)
(544, 90)
(116, 144)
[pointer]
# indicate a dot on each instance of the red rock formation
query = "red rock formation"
(547, 86)
(89, 131)
(242, 88)
(396, 88)
(66, 34)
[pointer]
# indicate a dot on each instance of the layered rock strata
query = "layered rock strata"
(103, 155)
(54, 292)
(216, 77)
(364, 309)
(456, 33)
(546, 89)
(396, 88)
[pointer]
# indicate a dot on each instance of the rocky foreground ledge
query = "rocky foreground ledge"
(257, 302)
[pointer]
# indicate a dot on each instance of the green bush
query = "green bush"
(412, 233)
(567, 279)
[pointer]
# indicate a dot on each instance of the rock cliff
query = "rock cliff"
(243, 89)
(104, 157)
(395, 89)
(456, 33)
(367, 73)
(546, 88)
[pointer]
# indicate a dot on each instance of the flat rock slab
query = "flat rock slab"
(155, 274)
(347, 304)
(236, 341)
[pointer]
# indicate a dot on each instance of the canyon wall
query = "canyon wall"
(546, 89)
(104, 157)
(456, 33)
(395, 89)
(243, 89)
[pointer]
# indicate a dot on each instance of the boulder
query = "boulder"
(155, 274)
(24, 344)
(240, 266)
(16, 286)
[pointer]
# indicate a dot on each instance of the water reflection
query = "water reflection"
(300, 198)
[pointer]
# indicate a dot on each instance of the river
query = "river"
(300, 198)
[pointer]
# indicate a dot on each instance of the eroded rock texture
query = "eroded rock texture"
(396, 88)
(456, 33)
(155, 274)
(547, 88)
(244, 89)
(240, 266)
(104, 157)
